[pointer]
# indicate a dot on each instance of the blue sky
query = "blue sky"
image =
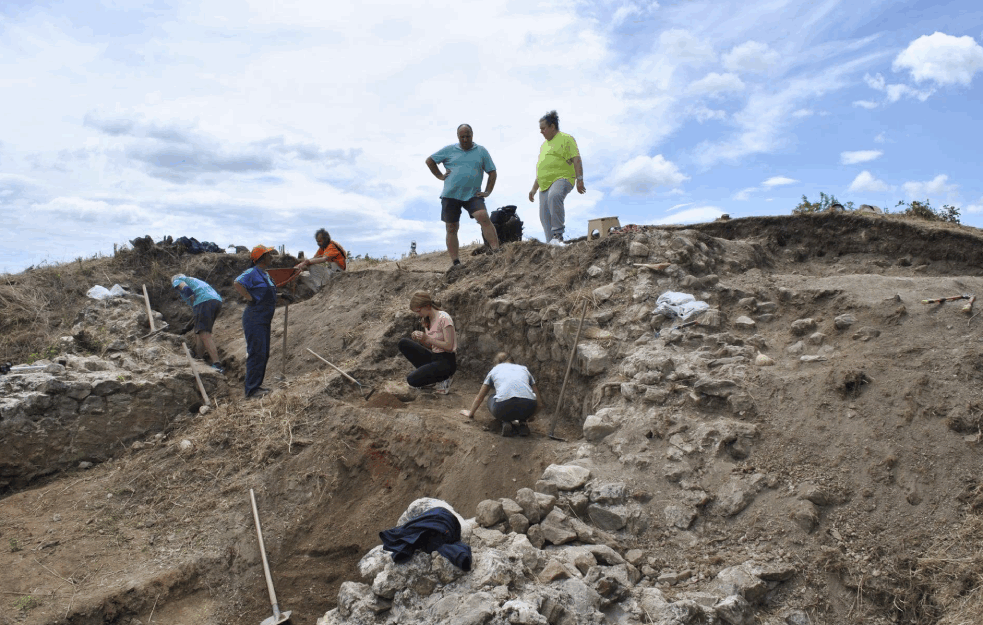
(259, 122)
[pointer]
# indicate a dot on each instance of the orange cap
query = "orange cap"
(258, 252)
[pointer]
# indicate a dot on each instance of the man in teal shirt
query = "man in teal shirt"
(465, 164)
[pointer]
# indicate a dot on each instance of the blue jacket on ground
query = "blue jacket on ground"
(437, 530)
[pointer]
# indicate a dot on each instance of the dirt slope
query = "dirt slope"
(885, 421)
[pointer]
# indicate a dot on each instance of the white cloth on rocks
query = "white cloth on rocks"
(101, 292)
(682, 305)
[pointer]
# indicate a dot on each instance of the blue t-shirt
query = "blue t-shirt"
(194, 291)
(510, 381)
(466, 170)
(255, 280)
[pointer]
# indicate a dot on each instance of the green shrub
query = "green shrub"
(924, 210)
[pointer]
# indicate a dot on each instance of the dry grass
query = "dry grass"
(945, 585)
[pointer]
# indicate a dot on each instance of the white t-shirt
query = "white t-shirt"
(511, 381)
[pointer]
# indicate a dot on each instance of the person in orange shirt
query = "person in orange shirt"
(329, 254)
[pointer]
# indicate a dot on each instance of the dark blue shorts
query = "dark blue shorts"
(205, 314)
(450, 209)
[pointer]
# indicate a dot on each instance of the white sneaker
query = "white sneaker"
(557, 241)
(442, 388)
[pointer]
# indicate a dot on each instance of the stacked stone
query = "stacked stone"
(549, 556)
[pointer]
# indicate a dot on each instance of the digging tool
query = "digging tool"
(278, 617)
(150, 313)
(563, 387)
(191, 362)
(9, 368)
(968, 308)
(942, 300)
(361, 386)
(286, 320)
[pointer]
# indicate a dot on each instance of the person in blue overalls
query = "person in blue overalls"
(257, 288)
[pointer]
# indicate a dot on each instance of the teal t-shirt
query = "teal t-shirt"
(466, 170)
(201, 291)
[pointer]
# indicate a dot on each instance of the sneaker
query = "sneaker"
(457, 265)
(442, 388)
(522, 429)
(218, 368)
(507, 430)
(558, 241)
(260, 392)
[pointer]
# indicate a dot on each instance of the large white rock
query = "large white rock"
(566, 476)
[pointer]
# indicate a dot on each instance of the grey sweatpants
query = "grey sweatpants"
(551, 213)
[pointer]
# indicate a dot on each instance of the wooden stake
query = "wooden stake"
(191, 361)
(286, 319)
(573, 352)
(150, 313)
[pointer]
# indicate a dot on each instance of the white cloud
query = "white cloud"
(936, 187)
(867, 104)
(875, 82)
(703, 114)
(866, 183)
(879, 138)
(698, 214)
(678, 206)
(975, 207)
(714, 83)
(106, 214)
(893, 92)
(685, 46)
(942, 59)
(643, 174)
(750, 56)
(777, 181)
(803, 113)
(763, 123)
(744, 194)
(860, 156)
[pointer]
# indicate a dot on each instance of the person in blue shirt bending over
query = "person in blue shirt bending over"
(465, 164)
(206, 304)
(257, 288)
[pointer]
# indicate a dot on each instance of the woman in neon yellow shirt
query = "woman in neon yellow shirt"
(558, 167)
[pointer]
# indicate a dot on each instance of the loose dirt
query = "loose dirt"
(886, 421)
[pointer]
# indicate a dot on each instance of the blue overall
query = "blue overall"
(257, 320)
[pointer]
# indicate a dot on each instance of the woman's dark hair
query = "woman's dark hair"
(321, 232)
(551, 119)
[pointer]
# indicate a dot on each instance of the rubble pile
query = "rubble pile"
(84, 406)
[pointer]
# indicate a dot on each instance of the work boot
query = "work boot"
(521, 428)
(507, 430)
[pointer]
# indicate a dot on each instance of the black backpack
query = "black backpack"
(507, 224)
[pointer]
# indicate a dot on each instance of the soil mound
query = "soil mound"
(805, 450)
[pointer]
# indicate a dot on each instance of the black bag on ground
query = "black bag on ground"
(507, 224)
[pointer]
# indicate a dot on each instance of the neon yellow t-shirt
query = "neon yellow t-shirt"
(553, 157)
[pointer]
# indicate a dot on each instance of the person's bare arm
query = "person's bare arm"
(480, 397)
(578, 167)
(492, 177)
(535, 187)
(241, 290)
(432, 164)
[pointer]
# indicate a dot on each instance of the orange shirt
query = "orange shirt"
(333, 253)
